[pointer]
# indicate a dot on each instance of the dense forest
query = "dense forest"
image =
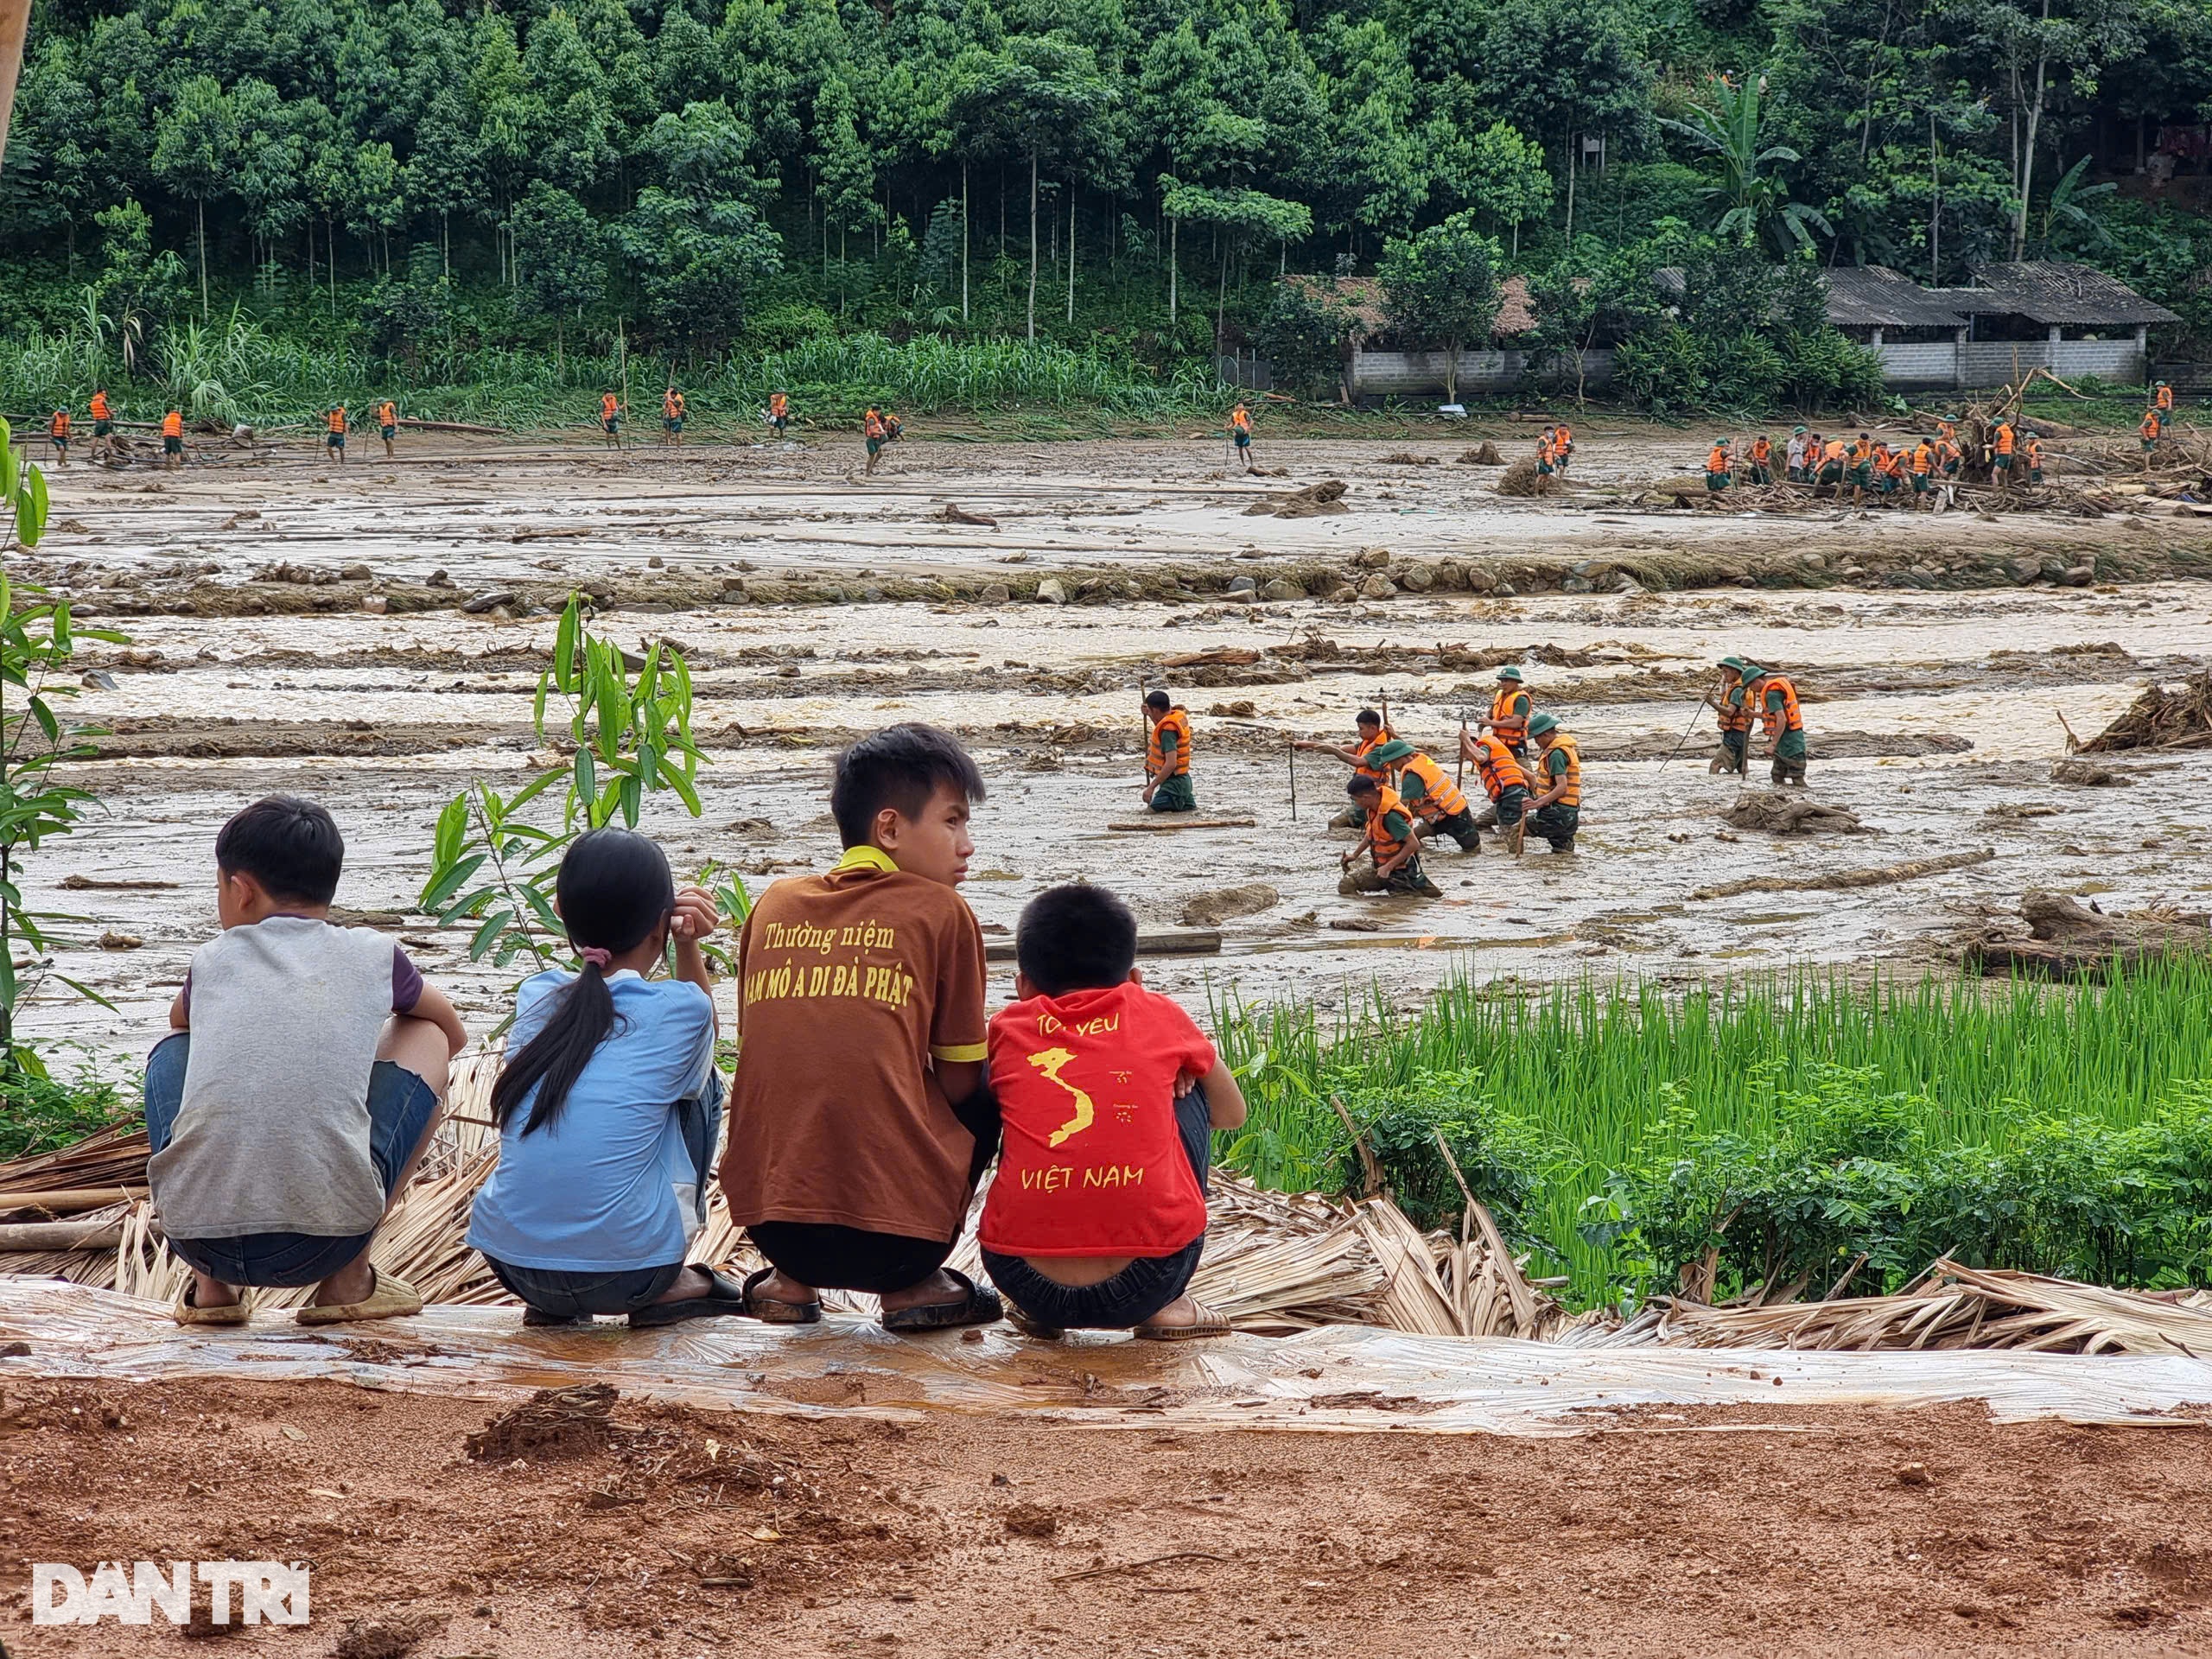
(445, 190)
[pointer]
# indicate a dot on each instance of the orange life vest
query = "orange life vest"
(1386, 845)
(173, 424)
(1861, 452)
(1835, 450)
(1240, 419)
(670, 404)
(1762, 451)
(1787, 717)
(1509, 724)
(1888, 461)
(608, 405)
(1717, 462)
(1499, 769)
(1179, 722)
(336, 420)
(1564, 437)
(779, 406)
(387, 413)
(1440, 797)
(100, 410)
(1923, 458)
(1735, 714)
(2035, 455)
(2165, 397)
(1562, 744)
(872, 425)
(2150, 426)
(1947, 430)
(60, 425)
(1366, 746)
(2004, 437)
(1545, 450)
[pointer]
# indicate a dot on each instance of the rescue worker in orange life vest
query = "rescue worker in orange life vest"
(1509, 711)
(1556, 811)
(1372, 735)
(1438, 805)
(1392, 843)
(1775, 701)
(1167, 786)
(1502, 780)
(1728, 703)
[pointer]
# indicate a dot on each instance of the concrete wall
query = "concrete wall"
(1919, 363)
(1421, 374)
(1996, 362)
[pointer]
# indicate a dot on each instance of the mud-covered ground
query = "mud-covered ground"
(297, 626)
(683, 1533)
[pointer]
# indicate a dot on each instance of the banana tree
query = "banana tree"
(1752, 202)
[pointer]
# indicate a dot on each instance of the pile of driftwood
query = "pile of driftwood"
(1952, 1307)
(1522, 478)
(2065, 938)
(2159, 719)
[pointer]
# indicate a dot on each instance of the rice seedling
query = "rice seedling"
(1597, 1069)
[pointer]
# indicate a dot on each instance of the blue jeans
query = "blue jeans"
(567, 1293)
(401, 1106)
(1138, 1291)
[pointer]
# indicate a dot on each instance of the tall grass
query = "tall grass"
(234, 370)
(1595, 1066)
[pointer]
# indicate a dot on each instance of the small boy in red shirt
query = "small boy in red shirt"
(1108, 1095)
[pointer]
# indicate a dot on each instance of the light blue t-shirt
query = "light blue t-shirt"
(609, 1187)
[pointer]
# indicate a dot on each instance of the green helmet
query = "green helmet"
(1541, 724)
(1392, 753)
(1752, 671)
(1736, 663)
(1510, 672)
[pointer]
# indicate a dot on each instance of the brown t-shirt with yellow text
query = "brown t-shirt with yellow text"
(848, 984)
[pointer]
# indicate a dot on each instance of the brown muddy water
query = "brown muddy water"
(385, 716)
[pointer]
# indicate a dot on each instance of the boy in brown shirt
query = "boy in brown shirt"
(860, 1121)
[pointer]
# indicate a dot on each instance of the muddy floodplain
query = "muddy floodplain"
(372, 636)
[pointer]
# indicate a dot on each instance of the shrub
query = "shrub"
(1505, 1159)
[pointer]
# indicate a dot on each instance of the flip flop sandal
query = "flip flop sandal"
(1208, 1322)
(1030, 1327)
(769, 1311)
(186, 1311)
(978, 1306)
(727, 1299)
(390, 1297)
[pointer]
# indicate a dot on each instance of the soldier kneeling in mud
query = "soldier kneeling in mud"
(1390, 841)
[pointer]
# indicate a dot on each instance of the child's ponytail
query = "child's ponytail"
(613, 890)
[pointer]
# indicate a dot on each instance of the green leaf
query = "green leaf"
(633, 799)
(587, 775)
(684, 792)
(30, 512)
(544, 907)
(564, 646)
(536, 786)
(47, 722)
(449, 884)
(494, 925)
(453, 830)
(537, 708)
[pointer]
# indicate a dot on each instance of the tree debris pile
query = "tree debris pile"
(1522, 479)
(1956, 1307)
(552, 1422)
(2064, 938)
(1779, 813)
(1484, 454)
(2159, 719)
(1315, 501)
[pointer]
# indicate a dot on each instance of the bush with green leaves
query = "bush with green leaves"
(1502, 1156)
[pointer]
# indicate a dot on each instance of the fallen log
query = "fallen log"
(1843, 879)
(413, 425)
(2066, 938)
(62, 1200)
(1190, 942)
(1133, 826)
(955, 514)
(59, 1236)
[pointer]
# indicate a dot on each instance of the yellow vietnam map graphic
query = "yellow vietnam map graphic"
(1049, 1061)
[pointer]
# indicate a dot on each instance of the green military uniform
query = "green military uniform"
(1409, 877)
(1412, 788)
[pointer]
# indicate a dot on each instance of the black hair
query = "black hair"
(614, 889)
(1075, 939)
(1159, 700)
(900, 767)
(1367, 717)
(1360, 784)
(291, 847)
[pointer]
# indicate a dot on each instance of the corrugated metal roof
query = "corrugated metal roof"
(1874, 297)
(2055, 291)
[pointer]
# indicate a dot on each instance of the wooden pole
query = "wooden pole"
(14, 27)
(1292, 752)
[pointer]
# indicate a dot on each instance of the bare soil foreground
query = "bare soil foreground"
(373, 634)
(680, 1532)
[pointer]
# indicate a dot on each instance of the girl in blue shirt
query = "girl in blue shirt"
(610, 1104)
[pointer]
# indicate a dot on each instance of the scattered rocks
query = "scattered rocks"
(1378, 587)
(1913, 1474)
(1371, 558)
(1242, 709)
(1052, 591)
(1419, 579)
(1243, 585)
(994, 592)
(483, 602)
(1343, 595)
(1572, 583)
(2077, 575)
(1315, 501)
(1282, 588)
(356, 573)
(375, 604)
(1213, 909)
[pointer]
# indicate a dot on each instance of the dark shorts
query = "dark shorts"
(1175, 795)
(1833, 472)
(1920, 483)
(675, 425)
(401, 1106)
(610, 427)
(334, 440)
(567, 1295)
(389, 432)
(874, 448)
(1788, 769)
(1716, 482)
(1138, 1291)
(103, 428)
(779, 423)
(2004, 463)
(172, 445)
(1243, 439)
(845, 1258)
(58, 440)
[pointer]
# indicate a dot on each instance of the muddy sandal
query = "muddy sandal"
(390, 1297)
(1206, 1322)
(768, 1310)
(187, 1312)
(535, 1319)
(977, 1306)
(1032, 1327)
(727, 1298)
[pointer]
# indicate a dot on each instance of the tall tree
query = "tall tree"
(1442, 285)
(195, 138)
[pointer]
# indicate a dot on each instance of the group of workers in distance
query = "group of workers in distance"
(1746, 691)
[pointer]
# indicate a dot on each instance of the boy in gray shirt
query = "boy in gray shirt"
(300, 1088)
